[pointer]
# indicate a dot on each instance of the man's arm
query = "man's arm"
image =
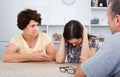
(79, 72)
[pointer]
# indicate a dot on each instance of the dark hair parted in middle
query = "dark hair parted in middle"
(73, 29)
(25, 16)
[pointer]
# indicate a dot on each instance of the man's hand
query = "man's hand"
(82, 59)
(79, 72)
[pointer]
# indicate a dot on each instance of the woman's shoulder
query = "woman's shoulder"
(16, 40)
(17, 37)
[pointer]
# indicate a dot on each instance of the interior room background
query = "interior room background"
(55, 14)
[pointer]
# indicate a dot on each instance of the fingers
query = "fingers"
(82, 59)
(40, 56)
(45, 58)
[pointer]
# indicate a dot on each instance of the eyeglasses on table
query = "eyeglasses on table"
(68, 69)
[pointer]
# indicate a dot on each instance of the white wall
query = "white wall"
(8, 18)
(42, 6)
(61, 13)
(53, 12)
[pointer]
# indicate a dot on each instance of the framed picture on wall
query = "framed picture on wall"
(99, 3)
(102, 3)
(94, 3)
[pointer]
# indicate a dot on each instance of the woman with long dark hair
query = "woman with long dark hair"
(76, 42)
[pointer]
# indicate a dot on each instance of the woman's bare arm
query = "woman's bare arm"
(61, 53)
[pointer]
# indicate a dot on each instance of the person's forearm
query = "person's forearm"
(79, 72)
(52, 57)
(85, 45)
(61, 54)
(16, 57)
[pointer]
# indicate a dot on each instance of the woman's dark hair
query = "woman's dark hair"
(25, 16)
(73, 29)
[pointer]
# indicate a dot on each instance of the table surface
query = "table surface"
(33, 69)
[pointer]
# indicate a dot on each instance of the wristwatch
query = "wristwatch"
(68, 2)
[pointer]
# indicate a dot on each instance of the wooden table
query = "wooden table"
(33, 69)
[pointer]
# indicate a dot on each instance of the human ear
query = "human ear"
(117, 21)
